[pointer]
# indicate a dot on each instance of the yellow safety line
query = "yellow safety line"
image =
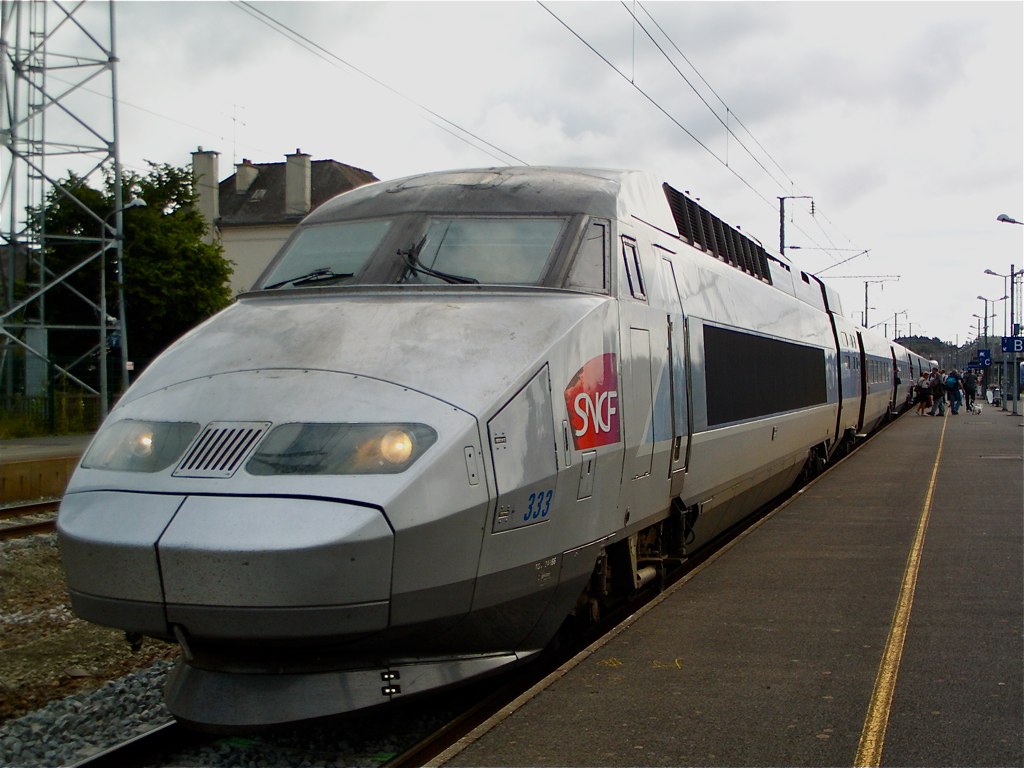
(872, 737)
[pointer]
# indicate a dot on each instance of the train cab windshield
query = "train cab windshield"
(335, 252)
(500, 251)
(418, 249)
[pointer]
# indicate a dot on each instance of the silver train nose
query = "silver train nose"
(283, 567)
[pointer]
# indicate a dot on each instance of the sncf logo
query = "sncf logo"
(592, 399)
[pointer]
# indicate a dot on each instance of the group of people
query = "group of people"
(934, 389)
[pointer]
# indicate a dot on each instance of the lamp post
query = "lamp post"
(122, 319)
(1011, 329)
(1014, 326)
(964, 351)
(987, 316)
(135, 202)
(987, 302)
(1006, 361)
(104, 405)
(1013, 319)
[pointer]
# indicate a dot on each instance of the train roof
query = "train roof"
(605, 193)
(528, 189)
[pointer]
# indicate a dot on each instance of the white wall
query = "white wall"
(250, 250)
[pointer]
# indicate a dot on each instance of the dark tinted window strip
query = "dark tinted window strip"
(749, 376)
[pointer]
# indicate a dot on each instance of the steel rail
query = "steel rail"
(158, 742)
(21, 527)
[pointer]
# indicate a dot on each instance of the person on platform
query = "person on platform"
(938, 392)
(970, 389)
(953, 382)
(922, 394)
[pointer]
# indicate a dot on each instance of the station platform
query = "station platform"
(874, 619)
(38, 467)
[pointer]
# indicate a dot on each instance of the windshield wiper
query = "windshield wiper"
(316, 276)
(412, 261)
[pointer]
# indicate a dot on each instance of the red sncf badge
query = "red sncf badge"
(592, 399)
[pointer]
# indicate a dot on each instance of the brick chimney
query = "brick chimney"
(245, 175)
(297, 184)
(207, 186)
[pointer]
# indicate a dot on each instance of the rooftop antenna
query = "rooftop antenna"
(235, 122)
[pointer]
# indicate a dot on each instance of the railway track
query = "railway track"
(28, 518)
(150, 748)
(463, 710)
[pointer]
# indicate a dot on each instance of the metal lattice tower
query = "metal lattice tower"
(58, 98)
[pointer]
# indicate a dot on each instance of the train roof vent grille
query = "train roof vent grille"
(704, 230)
(221, 448)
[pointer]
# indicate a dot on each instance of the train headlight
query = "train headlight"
(341, 449)
(142, 444)
(396, 446)
(139, 446)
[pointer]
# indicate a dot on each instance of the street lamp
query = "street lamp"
(987, 302)
(135, 202)
(1006, 362)
(1005, 294)
(1015, 378)
(1014, 326)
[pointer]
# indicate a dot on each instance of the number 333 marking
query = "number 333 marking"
(539, 506)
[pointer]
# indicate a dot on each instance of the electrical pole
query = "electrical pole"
(867, 281)
(782, 218)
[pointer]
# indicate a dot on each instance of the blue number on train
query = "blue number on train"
(539, 505)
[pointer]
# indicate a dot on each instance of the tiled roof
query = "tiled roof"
(264, 201)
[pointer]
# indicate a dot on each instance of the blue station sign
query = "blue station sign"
(1014, 344)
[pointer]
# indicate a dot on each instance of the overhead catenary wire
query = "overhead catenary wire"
(503, 155)
(729, 112)
(725, 123)
(333, 59)
(654, 102)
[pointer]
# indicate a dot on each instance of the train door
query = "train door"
(863, 364)
(636, 348)
(644, 403)
(897, 381)
(679, 389)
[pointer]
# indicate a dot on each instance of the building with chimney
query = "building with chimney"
(252, 212)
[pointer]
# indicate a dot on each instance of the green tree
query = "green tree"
(172, 278)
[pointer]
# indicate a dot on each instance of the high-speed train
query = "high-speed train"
(455, 412)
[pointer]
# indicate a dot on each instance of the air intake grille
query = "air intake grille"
(221, 448)
(704, 230)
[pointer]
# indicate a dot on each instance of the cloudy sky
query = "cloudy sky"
(903, 121)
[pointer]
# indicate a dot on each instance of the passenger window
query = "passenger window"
(634, 274)
(590, 269)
